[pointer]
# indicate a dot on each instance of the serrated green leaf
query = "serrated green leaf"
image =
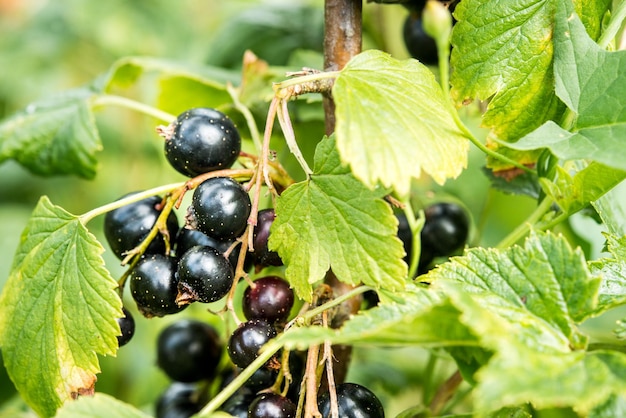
(612, 209)
(59, 310)
(539, 292)
(54, 136)
(336, 223)
(589, 79)
(612, 270)
(577, 379)
(417, 316)
(574, 192)
(99, 406)
(388, 138)
(503, 52)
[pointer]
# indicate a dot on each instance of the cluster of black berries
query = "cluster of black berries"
(197, 262)
(419, 44)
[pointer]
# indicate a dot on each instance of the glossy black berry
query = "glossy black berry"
(221, 208)
(188, 238)
(268, 298)
(189, 351)
(127, 328)
(202, 140)
(153, 286)
(126, 227)
(179, 400)
(271, 405)
(247, 339)
(446, 228)
(419, 44)
(262, 254)
(354, 401)
(204, 275)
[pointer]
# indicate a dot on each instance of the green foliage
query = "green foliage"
(59, 307)
(424, 136)
(341, 225)
(508, 318)
(504, 51)
(54, 136)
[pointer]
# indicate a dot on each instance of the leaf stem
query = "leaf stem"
(88, 216)
(305, 79)
(266, 353)
(617, 18)
(415, 225)
(290, 137)
(524, 227)
(243, 109)
(114, 100)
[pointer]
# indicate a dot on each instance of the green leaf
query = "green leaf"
(59, 310)
(573, 193)
(614, 407)
(99, 406)
(601, 143)
(387, 137)
(589, 79)
(612, 291)
(417, 316)
(339, 224)
(538, 292)
(578, 379)
(54, 136)
(592, 13)
(612, 209)
(503, 52)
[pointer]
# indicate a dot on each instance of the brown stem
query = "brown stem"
(445, 392)
(342, 41)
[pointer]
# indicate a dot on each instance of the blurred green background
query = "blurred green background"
(48, 46)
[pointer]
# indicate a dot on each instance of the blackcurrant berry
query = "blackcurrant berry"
(271, 405)
(237, 405)
(153, 286)
(354, 401)
(419, 44)
(262, 254)
(127, 328)
(269, 298)
(203, 140)
(179, 400)
(126, 227)
(446, 228)
(221, 208)
(247, 339)
(204, 275)
(188, 238)
(189, 350)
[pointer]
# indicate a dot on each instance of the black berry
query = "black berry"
(419, 44)
(354, 401)
(127, 328)
(269, 298)
(446, 228)
(247, 339)
(262, 254)
(126, 227)
(189, 350)
(221, 208)
(237, 405)
(204, 275)
(203, 140)
(153, 286)
(271, 405)
(179, 400)
(188, 238)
